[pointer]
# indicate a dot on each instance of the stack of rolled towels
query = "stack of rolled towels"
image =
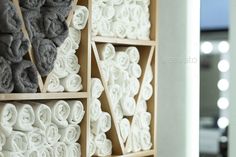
(32, 129)
(16, 74)
(100, 123)
(64, 76)
(121, 18)
(45, 21)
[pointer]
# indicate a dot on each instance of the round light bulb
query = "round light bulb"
(223, 85)
(224, 47)
(207, 47)
(223, 122)
(223, 103)
(223, 66)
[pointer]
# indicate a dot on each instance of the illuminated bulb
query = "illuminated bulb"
(223, 103)
(223, 85)
(223, 66)
(223, 122)
(206, 47)
(223, 46)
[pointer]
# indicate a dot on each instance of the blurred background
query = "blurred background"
(214, 78)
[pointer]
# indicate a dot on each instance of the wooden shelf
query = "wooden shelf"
(139, 154)
(100, 39)
(42, 96)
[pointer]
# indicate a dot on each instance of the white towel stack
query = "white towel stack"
(100, 123)
(36, 129)
(121, 18)
(64, 76)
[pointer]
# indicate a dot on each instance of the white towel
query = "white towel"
(16, 142)
(2, 140)
(143, 2)
(68, 46)
(70, 134)
(124, 127)
(120, 29)
(75, 35)
(122, 12)
(133, 53)
(80, 17)
(107, 51)
(135, 70)
(42, 115)
(134, 86)
(128, 106)
(60, 112)
(60, 150)
(147, 92)
(105, 149)
(136, 145)
(115, 73)
(92, 147)
(1, 154)
(135, 12)
(95, 110)
(100, 139)
(95, 28)
(117, 2)
(72, 83)
(12, 154)
(76, 112)
(25, 117)
(129, 146)
(52, 134)
(145, 140)
(149, 75)
(54, 84)
(132, 28)
(103, 124)
(142, 120)
(141, 106)
(105, 67)
(72, 65)
(122, 60)
(74, 150)
(96, 13)
(36, 139)
(118, 113)
(8, 116)
(32, 153)
(96, 88)
(115, 93)
(105, 28)
(108, 11)
(60, 66)
(46, 152)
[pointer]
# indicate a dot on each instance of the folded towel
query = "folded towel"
(76, 112)
(107, 51)
(45, 55)
(72, 65)
(124, 127)
(72, 83)
(75, 35)
(141, 106)
(70, 134)
(103, 124)
(28, 4)
(42, 115)
(2, 140)
(115, 93)
(142, 120)
(16, 142)
(120, 29)
(108, 11)
(12, 154)
(52, 134)
(96, 88)
(46, 152)
(99, 139)
(105, 149)
(60, 150)
(133, 53)
(95, 110)
(68, 46)
(36, 139)
(118, 113)
(60, 66)
(147, 91)
(54, 84)
(25, 77)
(135, 70)
(80, 17)
(105, 28)
(8, 116)
(105, 69)
(134, 86)
(60, 112)
(13, 47)
(55, 27)
(149, 75)
(128, 105)
(6, 80)
(10, 21)
(92, 147)
(145, 140)
(56, 3)
(122, 60)
(74, 150)
(25, 117)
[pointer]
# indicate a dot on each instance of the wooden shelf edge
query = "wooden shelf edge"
(138, 154)
(100, 39)
(42, 96)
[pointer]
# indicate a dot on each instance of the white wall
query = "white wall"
(178, 106)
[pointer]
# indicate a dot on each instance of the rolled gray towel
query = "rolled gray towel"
(13, 47)
(58, 3)
(55, 27)
(34, 23)
(10, 21)
(64, 11)
(6, 82)
(32, 4)
(25, 77)
(45, 53)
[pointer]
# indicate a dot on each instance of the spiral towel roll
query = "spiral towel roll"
(69, 46)
(149, 75)
(128, 106)
(59, 69)
(115, 93)
(36, 139)
(122, 60)
(72, 83)
(60, 150)
(147, 91)
(54, 84)
(142, 120)
(103, 124)
(52, 134)
(95, 110)
(6, 78)
(145, 140)
(107, 51)
(105, 70)
(72, 65)
(75, 34)
(96, 88)
(74, 150)
(105, 149)
(99, 139)
(118, 113)
(46, 152)
(70, 134)
(92, 147)
(76, 112)
(124, 126)
(32, 4)
(80, 18)
(135, 70)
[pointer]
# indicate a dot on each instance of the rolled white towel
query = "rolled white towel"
(25, 117)
(136, 143)
(46, 152)
(92, 147)
(128, 106)
(143, 2)
(60, 66)
(95, 110)
(95, 28)
(117, 2)
(115, 93)
(118, 113)
(107, 51)
(36, 139)
(105, 149)
(108, 11)
(100, 139)
(72, 65)
(142, 120)
(76, 112)
(134, 86)
(120, 29)
(129, 146)
(105, 70)
(124, 127)
(105, 28)
(149, 75)
(72, 83)
(136, 12)
(8, 116)
(12, 154)
(145, 140)
(115, 73)
(103, 124)
(32, 153)
(16, 142)
(133, 53)
(54, 84)
(147, 92)
(60, 112)
(2, 140)
(80, 17)
(74, 150)
(122, 12)
(75, 35)
(52, 134)
(68, 46)
(60, 150)
(96, 88)
(70, 134)
(135, 70)
(141, 106)
(96, 13)
(132, 28)
(122, 60)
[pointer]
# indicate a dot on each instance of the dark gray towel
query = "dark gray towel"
(32, 4)
(9, 19)
(13, 48)
(34, 23)
(55, 27)
(6, 82)
(58, 3)
(64, 11)
(25, 77)
(45, 53)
